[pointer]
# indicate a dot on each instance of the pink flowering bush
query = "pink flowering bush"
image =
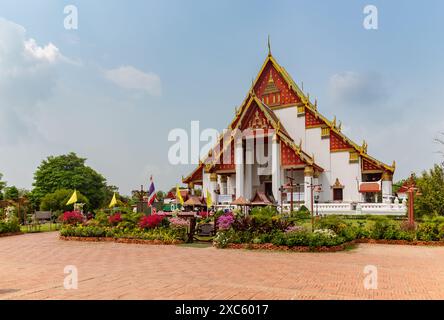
(294, 229)
(72, 217)
(115, 218)
(225, 221)
(178, 223)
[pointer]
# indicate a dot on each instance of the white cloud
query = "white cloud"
(49, 53)
(129, 77)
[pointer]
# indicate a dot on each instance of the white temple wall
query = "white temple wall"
(347, 173)
(294, 125)
(231, 184)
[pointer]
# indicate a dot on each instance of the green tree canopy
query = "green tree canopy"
(57, 200)
(11, 193)
(2, 186)
(68, 172)
(431, 186)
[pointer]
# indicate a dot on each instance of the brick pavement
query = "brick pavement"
(32, 267)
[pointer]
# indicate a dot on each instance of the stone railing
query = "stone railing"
(224, 198)
(345, 208)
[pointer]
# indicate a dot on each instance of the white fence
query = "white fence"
(396, 209)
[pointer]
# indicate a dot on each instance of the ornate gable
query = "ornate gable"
(289, 156)
(368, 166)
(338, 143)
(255, 119)
(311, 121)
(272, 89)
(226, 160)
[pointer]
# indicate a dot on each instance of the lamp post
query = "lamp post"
(318, 189)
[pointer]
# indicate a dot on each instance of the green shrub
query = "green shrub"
(428, 231)
(10, 226)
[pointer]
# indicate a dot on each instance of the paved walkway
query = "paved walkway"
(32, 267)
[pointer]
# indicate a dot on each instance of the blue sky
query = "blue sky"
(195, 60)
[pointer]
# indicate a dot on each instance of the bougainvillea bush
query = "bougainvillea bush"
(128, 226)
(115, 219)
(72, 217)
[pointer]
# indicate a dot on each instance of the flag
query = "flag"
(151, 192)
(178, 195)
(151, 189)
(113, 201)
(209, 200)
(73, 198)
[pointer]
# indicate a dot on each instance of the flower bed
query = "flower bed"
(124, 227)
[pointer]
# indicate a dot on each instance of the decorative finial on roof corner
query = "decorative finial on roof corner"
(300, 144)
(269, 46)
(394, 164)
(364, 146)
(278, 126)
(334, 122)
(316, 104)
(340, 126)
(313, 157)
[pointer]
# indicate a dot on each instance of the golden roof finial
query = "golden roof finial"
(316, 104)
(278, 126)
(394, 164)
(300, 143)
(313, 157)
(340, 126)
(269, 46)
(364, 146)
(302, 85)
(334, 122)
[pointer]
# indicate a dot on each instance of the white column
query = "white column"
(239, 161)
(249, 160)
(213, 187)
(308, 181)
(387, 187)
(276, 168)
(223, 184)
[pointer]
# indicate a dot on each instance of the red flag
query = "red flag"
(151, 200)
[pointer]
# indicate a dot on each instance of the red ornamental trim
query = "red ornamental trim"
(286, 95)
(255, 120)
(338, 143)
(369, 166)
(227, 164)
(289, 156)
(311, 120)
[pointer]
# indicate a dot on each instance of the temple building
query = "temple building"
(304, 157)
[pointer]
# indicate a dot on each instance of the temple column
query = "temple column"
(239, 161)
(213, 187)
(387, 187)
(308, 181)
(276, 168)
(191, 188)
(223, 184)
(249, 160)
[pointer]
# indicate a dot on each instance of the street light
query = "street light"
(318, 189)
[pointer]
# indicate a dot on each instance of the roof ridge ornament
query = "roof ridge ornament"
(269, 46)
(364, 146)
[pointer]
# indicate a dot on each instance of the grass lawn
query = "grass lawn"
(46, 227)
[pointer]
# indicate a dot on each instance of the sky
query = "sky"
(112, 89)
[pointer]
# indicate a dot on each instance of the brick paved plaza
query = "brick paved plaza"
(32, 267)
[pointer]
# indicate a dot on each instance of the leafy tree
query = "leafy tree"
(431, 186)
(57, 200)
(2, 186)
(68, 172)
(11, 193)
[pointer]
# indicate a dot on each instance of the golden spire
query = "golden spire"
(334, 122)
(269, 46)
(364, 146)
